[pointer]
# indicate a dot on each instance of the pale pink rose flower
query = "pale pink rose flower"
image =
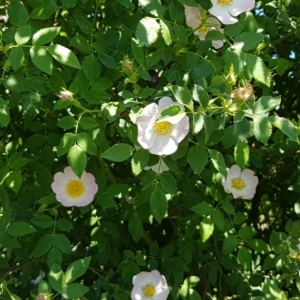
(226, 10)
(241, 184)
(149, 285)
(71, 190)
(161, 137)
(193, 20)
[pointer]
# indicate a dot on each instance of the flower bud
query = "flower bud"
(66, 95)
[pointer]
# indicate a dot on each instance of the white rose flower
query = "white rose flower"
(193, 20)
(161, 136)
(149, 286)
(242, 184)
(226, 10)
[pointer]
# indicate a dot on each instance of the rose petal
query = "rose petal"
(180, 130)
(141, 279)
(164, 145)
(222, 14)
(240, 6)
(165, 102)
(233, 172)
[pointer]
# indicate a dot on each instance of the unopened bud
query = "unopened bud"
(66, 95)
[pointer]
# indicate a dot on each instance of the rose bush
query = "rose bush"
(132, 132)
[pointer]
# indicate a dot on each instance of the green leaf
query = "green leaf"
(20, 228)
(165, 31)
(135, 227)
(14, 181)
(246, 232)
(138, 52)
(265, 104)
(67, 141)
(158, 204)
(262, 129)
(191, 281)
(139, 161)
(235, 57)
(126, 3)
(86, 143)
(286, 126)
(19, 163)
(182, 95)
(202, 209)
(188, 2)
(249, 40)
(43, 221)
(77, 269)
(62, 243)
(206, 228)
(64, 224)
(230, 243)
(17, 13)
(218, 161)
(233, 30)
(57, 278)
(45, 36)
(74, 291)
(257, 69)
(108, 61)
(118, 153)
(200, 95)
(228, 207)
(197, 158)
(259, 245)
(214, 35)
(218, 218)
(153, 7)
(198, 122)
(66, 122)
(91, 67)
(8, 241)
(147, 31)
(63, 55)
(88, 123)
(4, 112)
(209, 126)
(44, 244)
(23, 35)
(241, 153)
(54, 256)
(45, 11)
(16, 57)
(41, 59)
(244, 258)
(77, 160)
(168, 183)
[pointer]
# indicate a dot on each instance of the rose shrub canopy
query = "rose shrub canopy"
(149, 149)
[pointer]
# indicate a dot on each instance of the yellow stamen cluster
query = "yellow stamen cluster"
(149, 290)
(75, 188)
(238, 183)
(225, 2)
(162, 128)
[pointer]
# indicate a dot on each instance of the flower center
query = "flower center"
(162, 128)
(225, 2)
(203, 29)
(238, 183)
(75, 188)
(149, 290)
